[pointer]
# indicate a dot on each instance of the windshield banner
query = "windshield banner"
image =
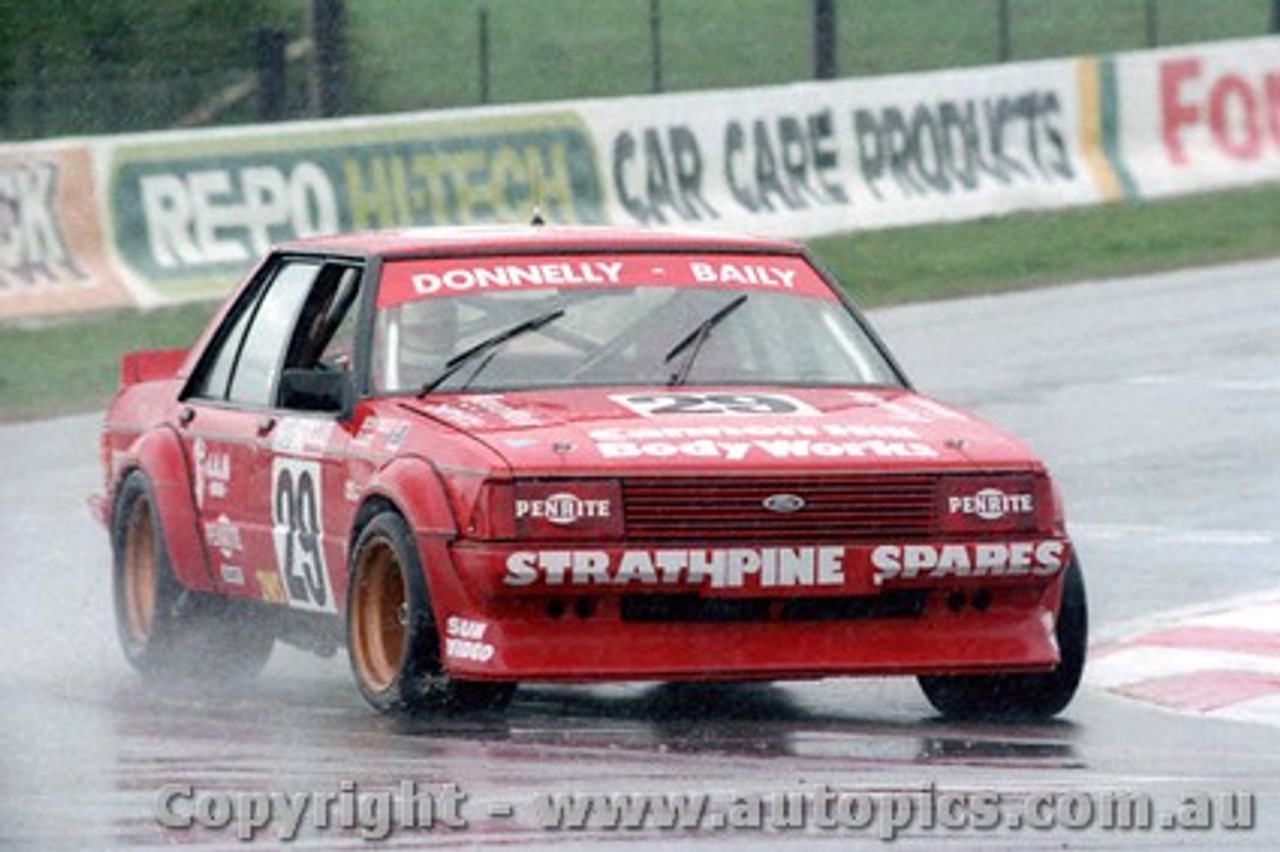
(409, 281)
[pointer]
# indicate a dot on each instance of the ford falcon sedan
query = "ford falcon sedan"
(479, 457)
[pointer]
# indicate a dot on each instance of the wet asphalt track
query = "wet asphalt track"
(1157, 403)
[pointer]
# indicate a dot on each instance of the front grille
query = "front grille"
(845, 509)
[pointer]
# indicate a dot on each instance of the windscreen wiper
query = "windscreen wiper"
(694, 340)
(457, 362)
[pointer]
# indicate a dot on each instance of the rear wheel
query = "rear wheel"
(1015, 696)
(164, 629)
(391, 632)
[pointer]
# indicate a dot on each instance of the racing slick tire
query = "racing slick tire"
(392, 637)
(1023, 696)
(166, 630)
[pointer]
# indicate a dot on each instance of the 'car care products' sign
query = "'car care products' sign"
(822, 158)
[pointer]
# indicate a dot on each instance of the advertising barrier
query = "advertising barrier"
(189, 212)
(52, 251)
(1200, 117)
(172, 216)
(822, 158)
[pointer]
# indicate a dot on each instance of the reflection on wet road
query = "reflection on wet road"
(87, 764)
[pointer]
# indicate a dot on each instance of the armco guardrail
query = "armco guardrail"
(165, 217)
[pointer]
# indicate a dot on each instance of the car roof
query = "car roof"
(488, 240)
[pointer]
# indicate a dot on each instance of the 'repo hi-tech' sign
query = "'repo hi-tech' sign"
(190, 213)
(820, 158)
(1201, 117)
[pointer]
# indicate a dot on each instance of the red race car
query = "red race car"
(479, 457)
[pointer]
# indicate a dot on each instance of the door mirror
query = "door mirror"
(315, 390)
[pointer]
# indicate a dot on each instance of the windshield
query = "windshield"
(497, 324)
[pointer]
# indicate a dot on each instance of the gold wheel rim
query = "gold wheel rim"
(378, 613)
(140, 572)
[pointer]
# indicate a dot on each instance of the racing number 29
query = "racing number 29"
(296, 528)
(713, 403)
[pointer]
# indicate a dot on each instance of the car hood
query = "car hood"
(742, 430)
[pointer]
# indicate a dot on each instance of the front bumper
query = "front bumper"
(580, 614)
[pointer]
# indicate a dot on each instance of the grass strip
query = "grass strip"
(72, 365)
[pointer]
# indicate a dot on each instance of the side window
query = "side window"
(217, 376)
(303, 317)
(325, 336)
(261, 354)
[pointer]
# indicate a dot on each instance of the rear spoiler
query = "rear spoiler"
(149, 365)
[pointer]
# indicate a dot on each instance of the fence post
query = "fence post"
(327, 32)
(655, 45)
(271, 74)
(40, 124)
(1153, 23)
(1003, 31)
(824, 40)
(1275, 16)
(483, 23)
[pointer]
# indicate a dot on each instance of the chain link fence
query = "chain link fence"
(378, 56)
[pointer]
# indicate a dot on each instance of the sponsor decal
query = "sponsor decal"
(906, 409)
(747, 430)
(224, 536)
(736, 443)
(233, 575)
(269, 586)
(483, 410)
(991, 504)
(397, 436)
(464, 279)
(301, 436)
(405, 281)
(499, 408)
(464, 640)
(732, 404)
(393, 432)
(296, 514)
(456, 415)
(563, 509)
(558, 509)
(351, 491)
(729, 568)
(761, 275)
(930, 561)
(780, 449)
(213, 471)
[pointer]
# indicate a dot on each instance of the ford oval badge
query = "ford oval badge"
(784, 504)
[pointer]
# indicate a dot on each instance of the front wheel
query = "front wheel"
(1023, 696)
(391, 632)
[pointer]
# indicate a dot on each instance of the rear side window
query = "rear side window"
(247, 363)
